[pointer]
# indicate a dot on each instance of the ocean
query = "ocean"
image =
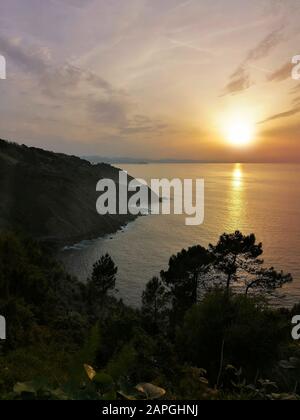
(254, 198)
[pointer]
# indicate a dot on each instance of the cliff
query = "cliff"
(52, 196)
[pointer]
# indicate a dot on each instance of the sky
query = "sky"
(152, 79)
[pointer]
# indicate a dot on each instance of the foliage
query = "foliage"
(103, 278)
(262, 389)
(107, 385)
(73, 341)
(237, 257)
(154, 305)
(37, 296)
(184, 277)
(248, 334)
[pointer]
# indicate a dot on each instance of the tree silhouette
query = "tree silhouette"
(154, 303)
(237, 257)
(268, 280)
(103, 277)
(186, 275)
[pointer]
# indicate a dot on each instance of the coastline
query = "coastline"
(83, 242)
(72, 241)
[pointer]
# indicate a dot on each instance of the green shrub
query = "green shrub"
(231, 330)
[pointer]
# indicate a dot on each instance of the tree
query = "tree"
(103, 277)
(268, 280)
(154, 303)
(237, 257)
(235, 252)
(242, 330)
(186, 275)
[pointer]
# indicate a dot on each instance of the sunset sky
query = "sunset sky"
(157, 79)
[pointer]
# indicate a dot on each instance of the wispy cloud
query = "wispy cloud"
(296, 101)
(281, 115)
(240, 79)
(282, 73)
(73, 87)
(141, 124)
(192, 46)
(182, 5)
(263, 49)
(140, 75)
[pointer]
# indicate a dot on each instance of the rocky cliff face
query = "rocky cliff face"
(52, 196)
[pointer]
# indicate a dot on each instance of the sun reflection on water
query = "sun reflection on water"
(237, 177)
(237, 204)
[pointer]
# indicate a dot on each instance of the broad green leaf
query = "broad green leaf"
(104, 382)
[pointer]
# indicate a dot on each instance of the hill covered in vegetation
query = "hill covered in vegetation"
(52, 196)
(194, 337)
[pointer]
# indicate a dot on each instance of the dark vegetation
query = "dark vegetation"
(52, 196)
(204, 331)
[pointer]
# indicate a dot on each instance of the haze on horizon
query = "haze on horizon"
(156, 79)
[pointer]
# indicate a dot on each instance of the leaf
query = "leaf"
(202, 372)
(103, 382)
(285, 364)
(129, 392)
(230, 367)
(59, 395)
(268, 385)
(24, 388)
(152, 392)
(91, 373)
(109, 396)
(276, 396)
(290, 397)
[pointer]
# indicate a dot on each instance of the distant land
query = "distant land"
(141, 161)
(144, 161)
(52, 196)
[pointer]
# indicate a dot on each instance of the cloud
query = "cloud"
(282, 73)
(286, 114)
(111, 111)
(70, 80)
(59, 83)
(296, 101)
(264, 48)
(34, 60)
(240, 79)
(190, 45)
(67, 93)
(141, 124)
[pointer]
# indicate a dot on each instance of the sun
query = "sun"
(237, 126)
(239, 133)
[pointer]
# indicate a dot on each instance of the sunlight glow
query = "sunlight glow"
(238, 125)
(240, 133)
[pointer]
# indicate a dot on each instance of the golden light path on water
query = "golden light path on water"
(237, 176)
(236, 202)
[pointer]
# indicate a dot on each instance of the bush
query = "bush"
(234, 330)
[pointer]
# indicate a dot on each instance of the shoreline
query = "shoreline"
(60, 243)
(78, 245)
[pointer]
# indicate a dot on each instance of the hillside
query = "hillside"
(52, 196)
